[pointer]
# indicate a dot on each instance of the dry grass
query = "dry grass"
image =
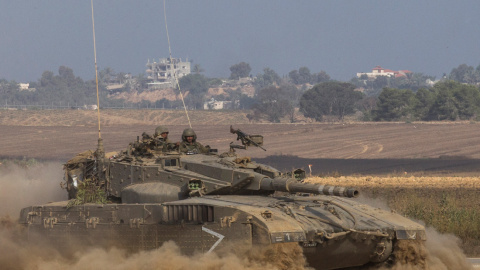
(449, 204)
(117, 117)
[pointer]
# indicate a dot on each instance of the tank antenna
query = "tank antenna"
(176, 85)
(100, 149)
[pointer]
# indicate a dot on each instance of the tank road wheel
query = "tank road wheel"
(405, 253)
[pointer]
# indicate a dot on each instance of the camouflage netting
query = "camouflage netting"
(82, 157)
(89, 192)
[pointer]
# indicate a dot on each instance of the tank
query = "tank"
(149, 193)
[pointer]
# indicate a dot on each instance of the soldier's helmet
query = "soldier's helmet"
(159, 130)
(188, 132)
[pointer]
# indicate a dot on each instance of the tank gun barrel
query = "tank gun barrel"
(293, 186)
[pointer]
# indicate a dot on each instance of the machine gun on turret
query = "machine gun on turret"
(247, 140)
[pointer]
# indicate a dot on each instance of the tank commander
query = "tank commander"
(161, 139)
(161, 134)
(189, 144)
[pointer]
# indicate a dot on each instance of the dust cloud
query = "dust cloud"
(20, 187)
(15, 255)
(441, 252)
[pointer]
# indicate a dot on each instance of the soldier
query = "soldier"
(161, 139)
(161, 134)
(189, 144)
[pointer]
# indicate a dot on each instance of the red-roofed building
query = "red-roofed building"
(379, 71)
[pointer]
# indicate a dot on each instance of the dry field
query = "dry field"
(332, 148)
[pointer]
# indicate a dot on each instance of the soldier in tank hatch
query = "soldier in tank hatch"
(189, 144)
(161, 139)
(161, 134)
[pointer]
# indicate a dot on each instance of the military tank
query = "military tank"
(150, 193)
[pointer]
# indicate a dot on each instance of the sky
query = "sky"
(339, 37)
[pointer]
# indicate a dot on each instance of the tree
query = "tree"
(294, 76)
(273, 102)
(460, 73)
(121, 77)
(467, 101)
(197, 87)
(105, 75)
(240, 70)
(393, 104)
(8, 87)
(412, 81)
(269, 77)
(47, 78)
(454, 100)
(66, 75)
(329, 98)
(381, 81)
(303, 76)
(320, 77)
(424, 99)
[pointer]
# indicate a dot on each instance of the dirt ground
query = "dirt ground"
(331, 148)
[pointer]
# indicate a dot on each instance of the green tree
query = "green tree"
(466, 74)
(197, 87)
(461, 73)
(381, 81)
(424, 99)
(454, 100)
(269, 77)
(294, 76)
(273, 102)
(329, 98)
(105, 75)
(47, 79)
(66, 75)
(320, 77)
(240, 70)
(301, 76)
(121, 77)
(8, 87)
(394, 104)
(467, 101)
(412, 81)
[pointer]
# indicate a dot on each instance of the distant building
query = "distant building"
(161, 74)
(25, 87)
(213, 104)
(379, 71)
(90, 107)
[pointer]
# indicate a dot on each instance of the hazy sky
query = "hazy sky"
(339, 37)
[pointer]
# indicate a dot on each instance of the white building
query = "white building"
(161, 73)
(213, 104)
(23, 86)
(379, 71)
